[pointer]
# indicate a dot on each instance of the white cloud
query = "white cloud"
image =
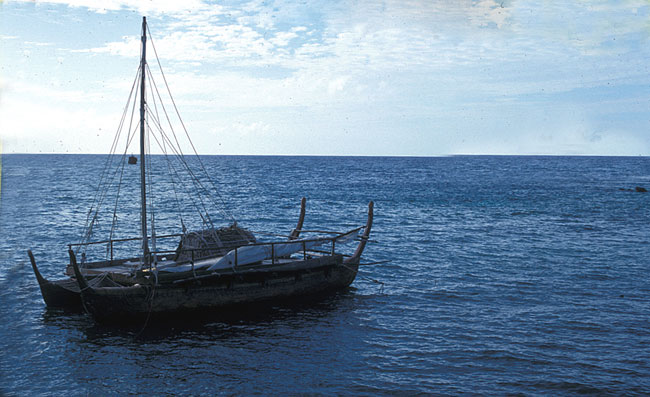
(254, 129)
(458, 38)
(37, 43)
(24, 89)
(359, 37)
(282, 39)
(143, 7)
(415, 59)
(129, 47)
(487, 12)
(30, 126)
(337, 85)
(233, 90)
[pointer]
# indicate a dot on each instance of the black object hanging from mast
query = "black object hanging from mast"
(143, 188)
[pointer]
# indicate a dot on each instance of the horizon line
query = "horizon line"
(353, 155)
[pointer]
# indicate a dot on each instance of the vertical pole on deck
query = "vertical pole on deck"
(143, 187)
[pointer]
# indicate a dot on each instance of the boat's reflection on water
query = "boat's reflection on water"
(234, 321)
(238, 351)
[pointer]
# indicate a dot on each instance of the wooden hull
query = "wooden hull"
(61, 293)
(139, 302)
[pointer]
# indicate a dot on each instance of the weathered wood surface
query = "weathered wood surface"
(61, 294)
(137, 302)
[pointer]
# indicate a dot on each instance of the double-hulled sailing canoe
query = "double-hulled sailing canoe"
(211, 268)
(308, 271)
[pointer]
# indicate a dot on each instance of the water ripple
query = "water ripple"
(507, 275)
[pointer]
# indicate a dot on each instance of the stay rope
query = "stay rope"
(113, 173)
(223, 202)
(181, 157)
(100, 194)
(173, 171)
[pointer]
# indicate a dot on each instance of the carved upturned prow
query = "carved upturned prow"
(81, 280)
(354, 259)
(41, 280)
(296, 232)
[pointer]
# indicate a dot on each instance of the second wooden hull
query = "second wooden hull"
(139, 302)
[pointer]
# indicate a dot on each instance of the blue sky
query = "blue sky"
(336, 78)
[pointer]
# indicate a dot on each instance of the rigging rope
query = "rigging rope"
(223, 202)
(149, 178)
(100, 194)
(117, 197)
(176, 173)
(112, 174)
(130, 135)
(179, 153)
(163, 148)
(195, 181)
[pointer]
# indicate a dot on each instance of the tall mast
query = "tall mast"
(143, 187)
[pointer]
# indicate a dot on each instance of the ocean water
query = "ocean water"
(506, 275)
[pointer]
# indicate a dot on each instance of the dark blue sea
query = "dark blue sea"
(506, 275)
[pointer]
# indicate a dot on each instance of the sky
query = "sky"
(384, 78)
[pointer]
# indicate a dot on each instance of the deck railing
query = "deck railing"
(110, 244)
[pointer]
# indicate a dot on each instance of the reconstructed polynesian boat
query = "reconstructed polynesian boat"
(207, 269)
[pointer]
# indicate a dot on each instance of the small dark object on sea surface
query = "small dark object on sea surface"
(133, 160)
(638, 189)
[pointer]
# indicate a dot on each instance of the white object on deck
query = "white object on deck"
(256, 253)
